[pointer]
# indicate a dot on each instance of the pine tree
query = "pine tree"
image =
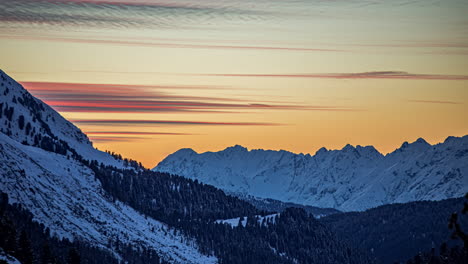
(21, 122)
(453, 224)
(9, 238)
(73, 256)
(47, 257)
(25, 254)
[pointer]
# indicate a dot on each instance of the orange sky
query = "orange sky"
(144, 80)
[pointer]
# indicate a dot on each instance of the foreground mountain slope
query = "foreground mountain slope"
(64, 195)
(353, 178)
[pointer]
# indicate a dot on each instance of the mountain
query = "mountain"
(42, 168)
(350, 179)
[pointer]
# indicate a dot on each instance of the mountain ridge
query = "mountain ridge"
(325, 149)
(348, 179)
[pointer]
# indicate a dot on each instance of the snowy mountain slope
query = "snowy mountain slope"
(24, 118)
(353, 178)
(63, 194)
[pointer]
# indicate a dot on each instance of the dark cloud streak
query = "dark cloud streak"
(127, 122)
(122, 14)
(135, 133)
(110, 98)
(166, 44)
(434, 102)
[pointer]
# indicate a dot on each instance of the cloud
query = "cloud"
(434, 102)
(122, 14)
(62, 87)
(104, 139)
(127, 136)
(111, 98)
(165, 44)
(135, 133)
(114, 122)
(363, 75)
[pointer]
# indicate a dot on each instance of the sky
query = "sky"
(145, 78)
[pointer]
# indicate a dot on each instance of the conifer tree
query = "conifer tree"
(73, 256)
(24, 254)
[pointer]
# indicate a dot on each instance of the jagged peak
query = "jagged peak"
(419, 144)
(235, 148)
(185, 151)
(421, 141)
(368, 150)
(321, 151)
(404, 145)
(348, 148)
(361, 151)
(452, 139)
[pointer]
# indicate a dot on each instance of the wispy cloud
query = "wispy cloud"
(111, 98)
(122, 14)
(113, 122)
(362, 75)
(135, 133)
(106, 139)
(434, 102)
(166, 44)
(66, 87)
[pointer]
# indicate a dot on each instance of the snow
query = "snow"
(234, 222)
(350, 179)
(9, 259)
(64, 196)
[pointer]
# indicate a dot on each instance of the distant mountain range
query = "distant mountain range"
(350, 179)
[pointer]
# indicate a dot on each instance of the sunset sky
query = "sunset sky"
(145, 78)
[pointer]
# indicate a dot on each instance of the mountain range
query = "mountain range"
(354, 178)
